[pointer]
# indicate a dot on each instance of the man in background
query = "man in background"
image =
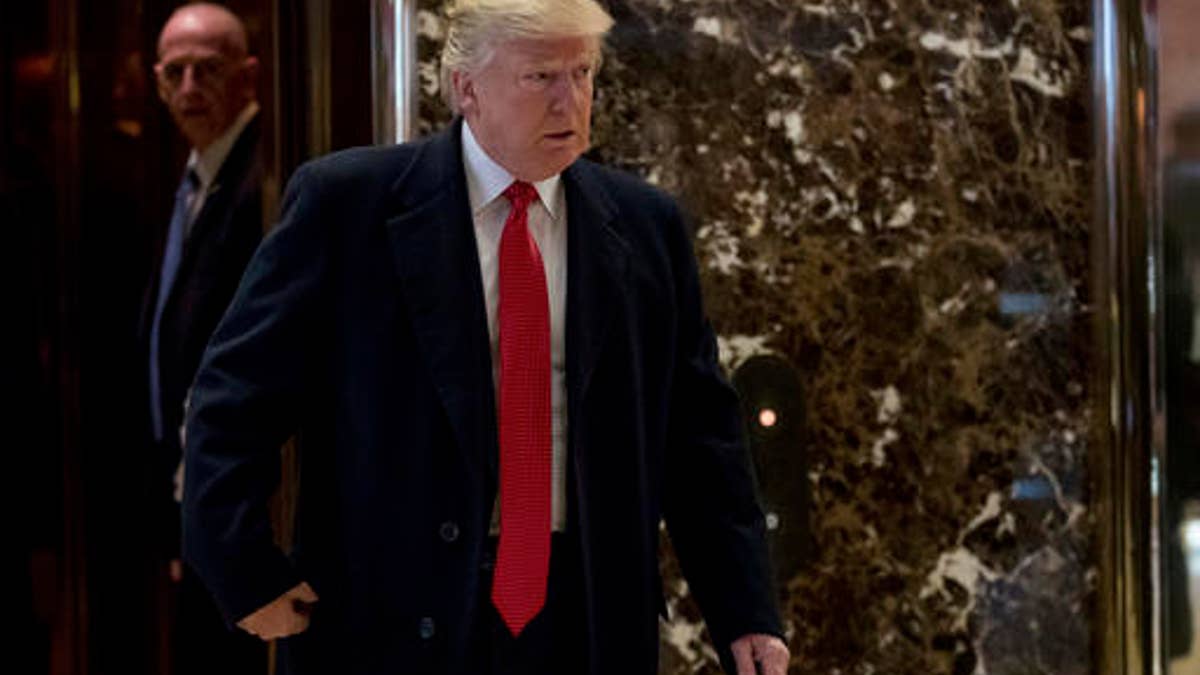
(207, 78)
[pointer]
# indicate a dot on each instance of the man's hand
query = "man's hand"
(286, 615)
(767, 650)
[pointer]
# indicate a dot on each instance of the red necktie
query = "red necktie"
(523, 558)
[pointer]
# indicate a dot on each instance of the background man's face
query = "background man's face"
(204, 85)
(530, 106)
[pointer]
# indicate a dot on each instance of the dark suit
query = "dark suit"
(219, 244)
(361, 320)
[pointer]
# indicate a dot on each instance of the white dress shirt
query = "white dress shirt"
(547, 218)
(207, 164)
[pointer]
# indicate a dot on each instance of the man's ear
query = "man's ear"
(158, 84)
(249, 73)
(250, 68)
(464, 92)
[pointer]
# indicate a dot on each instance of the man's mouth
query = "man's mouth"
(560, 135)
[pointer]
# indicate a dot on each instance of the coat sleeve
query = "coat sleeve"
(710, 504)
(246, 400)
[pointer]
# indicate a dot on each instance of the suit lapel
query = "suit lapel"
(223, 190)
(597, 261)
(433, 241)
(233, 171)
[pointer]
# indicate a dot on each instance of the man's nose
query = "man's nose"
(566, 93)
(187, 78)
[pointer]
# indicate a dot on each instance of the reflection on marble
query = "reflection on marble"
(895, 198)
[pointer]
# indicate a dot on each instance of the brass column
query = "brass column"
(1127, 451)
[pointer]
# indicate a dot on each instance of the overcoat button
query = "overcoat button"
(449, 532)
(426, 628)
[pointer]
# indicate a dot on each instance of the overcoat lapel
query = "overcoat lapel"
(597, 261)
(433, 242)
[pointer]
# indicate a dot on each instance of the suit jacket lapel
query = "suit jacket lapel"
(597, 261)
(233, 171)
(433, 240)
(223, 190)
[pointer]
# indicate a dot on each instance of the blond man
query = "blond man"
(497, 354)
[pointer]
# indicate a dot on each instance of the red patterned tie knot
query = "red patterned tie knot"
(520, 194)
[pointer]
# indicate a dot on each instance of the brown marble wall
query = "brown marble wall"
(893, 197)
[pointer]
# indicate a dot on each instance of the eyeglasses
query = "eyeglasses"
(204, 71)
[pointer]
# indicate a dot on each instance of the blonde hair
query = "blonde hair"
(475, 27)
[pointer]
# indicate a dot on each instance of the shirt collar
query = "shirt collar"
(487, 180)
(206, 164)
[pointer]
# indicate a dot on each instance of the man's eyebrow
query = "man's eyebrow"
(554, 61)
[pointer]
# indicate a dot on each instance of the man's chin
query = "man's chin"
(563, 156)
(551, 168)
(198, 132)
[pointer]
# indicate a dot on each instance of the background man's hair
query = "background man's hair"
(475, 27)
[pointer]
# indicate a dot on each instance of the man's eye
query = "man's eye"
(173, 71)
(204, 69)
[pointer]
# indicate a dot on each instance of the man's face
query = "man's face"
(204, 83)
(530, 106)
